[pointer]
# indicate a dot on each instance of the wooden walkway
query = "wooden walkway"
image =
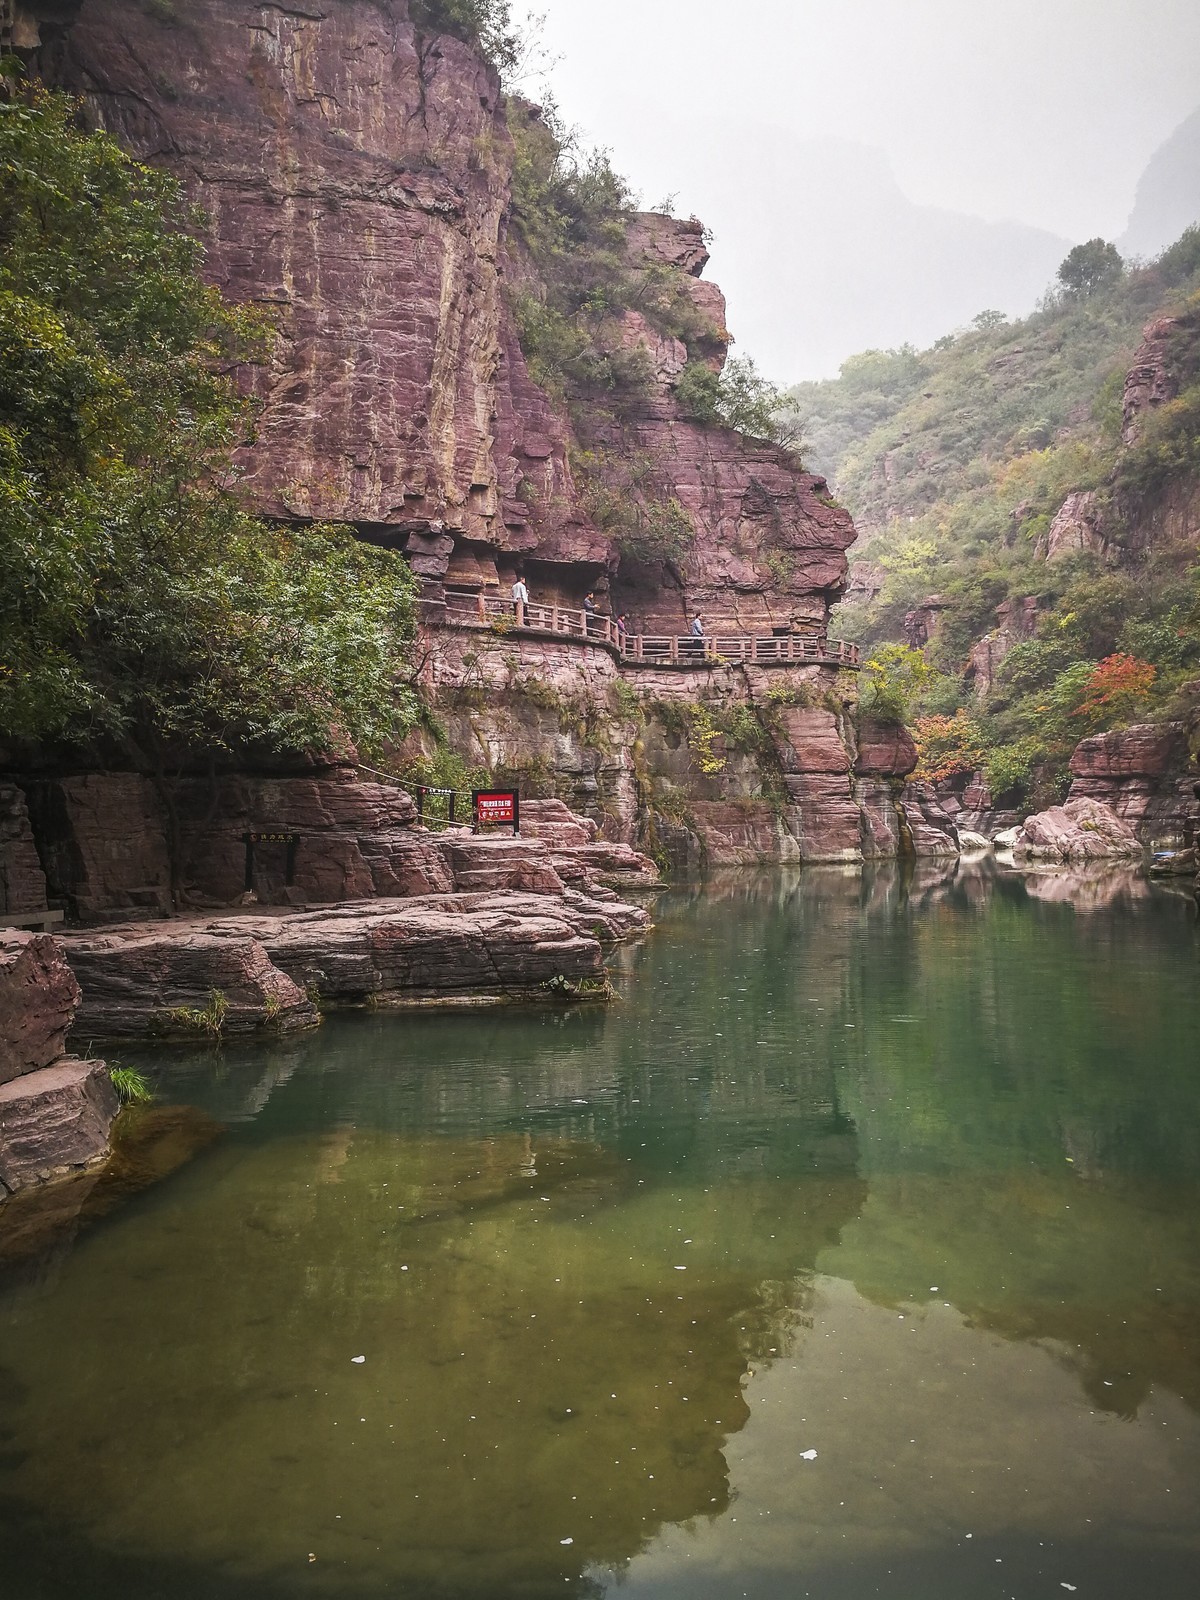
(652, 650)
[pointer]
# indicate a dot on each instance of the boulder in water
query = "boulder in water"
(1080, 830)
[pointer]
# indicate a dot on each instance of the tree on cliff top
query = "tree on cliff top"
(1089, 265)
(142, 609)
(486, 24)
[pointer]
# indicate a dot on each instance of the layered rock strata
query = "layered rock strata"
(478, 918)
(354, 840)
(455, 949)
(1148, 776)
(788, 775)
(356, 175)
(22, 880)
(1079, 830)
(55, 1110)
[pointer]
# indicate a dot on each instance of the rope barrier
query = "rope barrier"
(424, 790)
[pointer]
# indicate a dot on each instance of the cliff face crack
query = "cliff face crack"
(295, 13)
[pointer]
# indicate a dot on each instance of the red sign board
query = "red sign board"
(497, 807)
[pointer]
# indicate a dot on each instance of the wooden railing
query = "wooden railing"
(651, 650)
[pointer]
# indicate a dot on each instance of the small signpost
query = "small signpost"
(271, 836)
(496, 808)
(424, 789)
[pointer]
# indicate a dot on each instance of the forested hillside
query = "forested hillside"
(1002, 475)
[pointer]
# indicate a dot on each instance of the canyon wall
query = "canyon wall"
(356, 175)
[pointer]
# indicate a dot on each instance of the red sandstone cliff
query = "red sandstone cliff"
(356, 176)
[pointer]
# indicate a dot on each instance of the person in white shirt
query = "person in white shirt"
(520, 592)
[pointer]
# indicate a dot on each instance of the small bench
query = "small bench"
(39, 921)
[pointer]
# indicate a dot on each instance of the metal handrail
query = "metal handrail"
(648, 650)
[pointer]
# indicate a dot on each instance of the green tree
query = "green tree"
(739, 397)
(142, 609)
(894, 675)
(487, 24)
(1085, 268)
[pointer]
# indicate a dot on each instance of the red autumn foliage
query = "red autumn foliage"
(947, 747)
(1116, 686)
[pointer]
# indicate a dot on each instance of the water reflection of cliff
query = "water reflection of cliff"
(554, 1354)
(544, 1229)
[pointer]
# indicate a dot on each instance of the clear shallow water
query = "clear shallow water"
(903, 1175)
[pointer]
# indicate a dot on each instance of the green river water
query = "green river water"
(512, 1304)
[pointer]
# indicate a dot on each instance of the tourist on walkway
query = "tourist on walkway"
(696, 645)
(520, 594)
(589, 611)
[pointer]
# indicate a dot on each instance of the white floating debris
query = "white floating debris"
(933, 1288)
(808, 1455)
(358, 1360)
(680, 1269)
(566, 1541)
(1070, 1586)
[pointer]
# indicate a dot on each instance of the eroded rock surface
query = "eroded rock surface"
(55, 1112)
(1154, 378)
(38, 996)
(1079, 830)
(1078, 526)
(22, 881)
(462, 948)
(102, 837)
(1147, 776)
(166, 980)
(356, 175)
(52, 1120)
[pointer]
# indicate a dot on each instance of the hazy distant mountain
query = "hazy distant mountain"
(1168, 193)
(821, 254)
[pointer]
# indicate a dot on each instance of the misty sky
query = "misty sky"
(1042, 112)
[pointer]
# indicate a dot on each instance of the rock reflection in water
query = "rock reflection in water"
(554, 1354)
(39, 1226)
(945, 1118)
